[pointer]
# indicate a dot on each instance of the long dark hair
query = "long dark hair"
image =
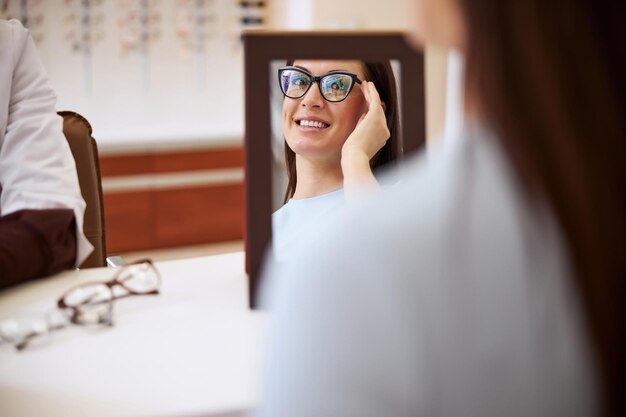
(549, 78)
(381, 74)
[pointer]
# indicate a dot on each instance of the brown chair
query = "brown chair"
(78, 132)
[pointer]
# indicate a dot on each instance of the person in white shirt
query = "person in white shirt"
(491, 281)
(41, 206)
(331, 150)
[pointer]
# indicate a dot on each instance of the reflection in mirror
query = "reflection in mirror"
(264, 53)
(319, 157)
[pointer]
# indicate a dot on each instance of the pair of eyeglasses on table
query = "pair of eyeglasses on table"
(87, 304)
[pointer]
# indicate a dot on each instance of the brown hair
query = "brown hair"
(381, 74)
(549, 79)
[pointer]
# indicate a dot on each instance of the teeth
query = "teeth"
(313, 123)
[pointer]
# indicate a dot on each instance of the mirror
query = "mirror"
(264, 53)
(320, 188)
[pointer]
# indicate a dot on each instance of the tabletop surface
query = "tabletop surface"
(192, 350)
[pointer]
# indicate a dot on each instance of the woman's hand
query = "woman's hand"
(371, 132)
(369, 136)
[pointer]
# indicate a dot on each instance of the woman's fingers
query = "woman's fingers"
(371, 130)
(366, 91)
(371, 94)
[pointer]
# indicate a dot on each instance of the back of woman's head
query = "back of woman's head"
(550, 79)
(381, 74)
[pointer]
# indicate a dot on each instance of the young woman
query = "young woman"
(492, 281)
(340, 123)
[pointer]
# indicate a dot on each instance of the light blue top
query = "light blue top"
(292, 222)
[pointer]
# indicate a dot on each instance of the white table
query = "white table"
(193, 350)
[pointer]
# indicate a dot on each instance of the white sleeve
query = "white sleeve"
(37, 170)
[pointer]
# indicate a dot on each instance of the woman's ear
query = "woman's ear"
(384, 106)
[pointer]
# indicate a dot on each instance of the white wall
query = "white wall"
(166, 93)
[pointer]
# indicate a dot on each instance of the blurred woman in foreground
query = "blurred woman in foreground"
(492, 282)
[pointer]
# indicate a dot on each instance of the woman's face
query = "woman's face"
(335, 121)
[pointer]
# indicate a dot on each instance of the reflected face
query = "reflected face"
(315, 128)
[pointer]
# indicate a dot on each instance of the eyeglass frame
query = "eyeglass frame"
(74, 318)
(314, 80)
(74, 311)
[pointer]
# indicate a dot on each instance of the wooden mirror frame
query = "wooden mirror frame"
(263, 47)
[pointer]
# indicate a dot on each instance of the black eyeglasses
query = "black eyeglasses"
(334, 87)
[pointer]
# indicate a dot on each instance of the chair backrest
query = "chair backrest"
(78, 132)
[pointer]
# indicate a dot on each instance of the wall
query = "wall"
(174, 198)
(165, 79)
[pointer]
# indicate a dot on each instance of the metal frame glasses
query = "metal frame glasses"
(332, 86)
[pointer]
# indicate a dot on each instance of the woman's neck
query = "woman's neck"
(316, 177)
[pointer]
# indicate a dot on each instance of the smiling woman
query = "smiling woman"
(340, 123)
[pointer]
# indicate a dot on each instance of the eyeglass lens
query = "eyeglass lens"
(31, 330)
(22, 331)
(93, 301)
(139, 278)
(334, 87)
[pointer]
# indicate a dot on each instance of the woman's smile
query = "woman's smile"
(311, 124)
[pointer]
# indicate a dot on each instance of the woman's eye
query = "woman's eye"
(336, 83)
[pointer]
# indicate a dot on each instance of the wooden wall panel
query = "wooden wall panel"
(126, 165)
(199, 215)
(128, 219)
(135, 164)
(201, 160)
(168, 217)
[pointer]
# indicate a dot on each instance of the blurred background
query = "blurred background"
(161, 82)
